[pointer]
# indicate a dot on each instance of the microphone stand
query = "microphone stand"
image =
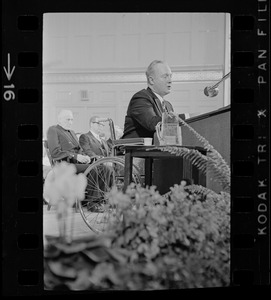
(212, 91)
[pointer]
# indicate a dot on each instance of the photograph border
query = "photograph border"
(22, 258)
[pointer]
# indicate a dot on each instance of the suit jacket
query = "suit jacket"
(143, 113)
(63, 144)
(92, 146)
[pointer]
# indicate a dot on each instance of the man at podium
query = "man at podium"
(146, 106)
(145, 111)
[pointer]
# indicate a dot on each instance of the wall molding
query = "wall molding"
(75, 77)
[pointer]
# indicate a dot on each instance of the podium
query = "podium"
(164, 169)
(215, 127)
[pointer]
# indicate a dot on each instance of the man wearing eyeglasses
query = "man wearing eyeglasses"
(64, 145)
(91, 142)
(93, 145)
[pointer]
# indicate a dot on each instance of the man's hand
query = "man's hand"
(84, 159)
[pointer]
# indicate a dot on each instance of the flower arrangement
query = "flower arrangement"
(62, 188)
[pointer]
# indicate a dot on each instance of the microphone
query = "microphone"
(212, 91)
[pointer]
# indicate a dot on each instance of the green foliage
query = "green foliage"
(204, 163)
(70, 266)
(213, 153)
(201, 190)
(179, 242)
(216, 162)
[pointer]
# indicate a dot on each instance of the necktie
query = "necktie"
(159, 105)
(104, 149)
(164, 106)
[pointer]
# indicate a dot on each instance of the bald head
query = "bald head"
(65, 119)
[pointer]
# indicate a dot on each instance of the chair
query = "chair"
(53, 162)
(98, 222)
(102, 175)
(45, 144)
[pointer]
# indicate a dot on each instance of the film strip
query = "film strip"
(22, 138)
(249, 150)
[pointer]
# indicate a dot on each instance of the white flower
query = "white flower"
(63, 183)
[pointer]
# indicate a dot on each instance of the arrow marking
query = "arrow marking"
(7, 71)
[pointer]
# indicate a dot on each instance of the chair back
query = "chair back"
(112, 129)
(45, 144)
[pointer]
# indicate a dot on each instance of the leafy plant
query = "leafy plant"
(180, 242)
(70, 266)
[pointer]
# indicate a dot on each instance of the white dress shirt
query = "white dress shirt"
(159, 97)
(96, 135)
(162, 100)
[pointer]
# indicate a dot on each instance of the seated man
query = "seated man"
(91, 142)
(63, 145)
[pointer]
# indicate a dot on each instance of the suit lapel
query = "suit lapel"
(168, 106)
(93, 138)
(69, 136)
(156, 101)
(95, 143)
(74, 138)
(105, 148)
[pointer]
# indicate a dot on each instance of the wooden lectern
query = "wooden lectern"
(215, 127)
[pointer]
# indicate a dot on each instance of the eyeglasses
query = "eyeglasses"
(99, 123)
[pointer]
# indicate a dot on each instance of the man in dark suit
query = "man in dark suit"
(91, 142)
(145, 111)
(63, 143)
(146, 106)
(64, 146)
(94, 145)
